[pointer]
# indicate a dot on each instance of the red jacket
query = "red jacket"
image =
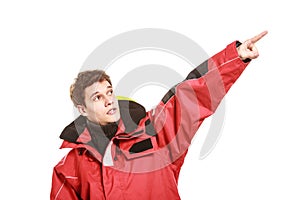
(144, 157)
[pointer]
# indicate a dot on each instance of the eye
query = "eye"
(110, 92)
(96, 98)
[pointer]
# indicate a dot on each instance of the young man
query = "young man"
(120, 151)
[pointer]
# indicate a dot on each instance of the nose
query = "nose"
(108, 100)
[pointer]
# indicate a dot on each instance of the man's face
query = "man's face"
(101, 104)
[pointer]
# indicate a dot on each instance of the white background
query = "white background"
(44, 43)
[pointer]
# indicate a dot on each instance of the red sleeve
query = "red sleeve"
(182, 110)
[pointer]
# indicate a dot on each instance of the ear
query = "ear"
(82, 110)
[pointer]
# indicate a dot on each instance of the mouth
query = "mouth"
(111, 111)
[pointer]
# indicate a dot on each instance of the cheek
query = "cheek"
(96, 109)
(116, 102)
(99, 109)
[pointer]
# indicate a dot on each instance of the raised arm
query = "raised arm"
(183, 109)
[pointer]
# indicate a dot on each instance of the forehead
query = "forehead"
(97, 87)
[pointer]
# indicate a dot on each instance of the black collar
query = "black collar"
(131, 113)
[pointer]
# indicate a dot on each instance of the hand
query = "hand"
(247, 49)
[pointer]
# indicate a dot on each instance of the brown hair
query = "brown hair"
(85, 79)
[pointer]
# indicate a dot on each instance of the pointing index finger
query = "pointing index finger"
(258, 37)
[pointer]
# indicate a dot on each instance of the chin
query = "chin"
(114, 119)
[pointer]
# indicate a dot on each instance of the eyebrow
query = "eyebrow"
(108, 87)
